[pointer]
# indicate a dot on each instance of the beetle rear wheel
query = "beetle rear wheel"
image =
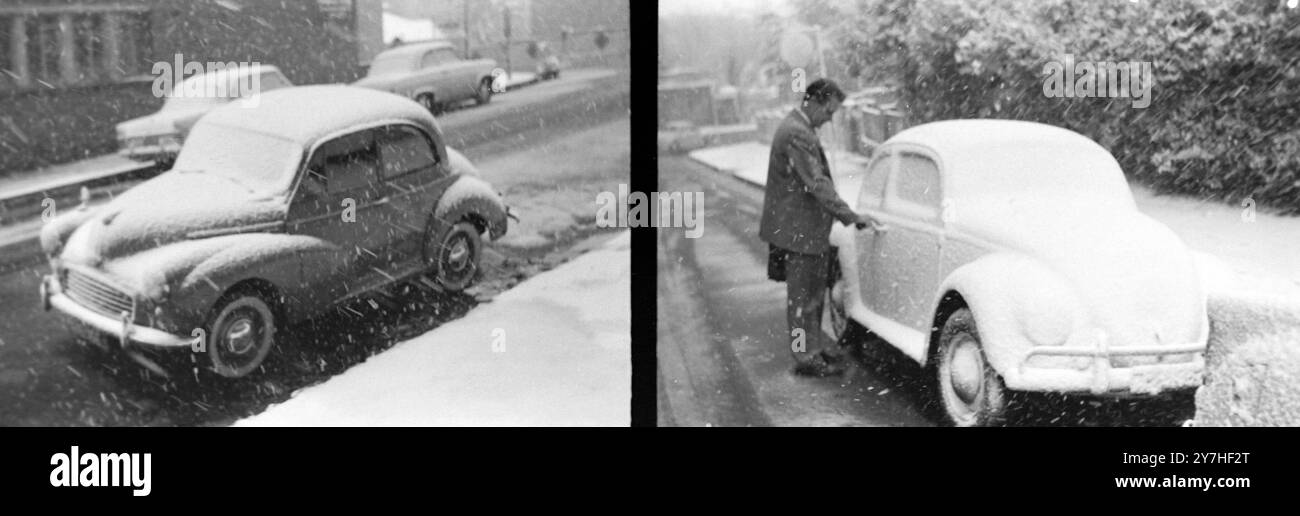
(243, 332)
(971, 393)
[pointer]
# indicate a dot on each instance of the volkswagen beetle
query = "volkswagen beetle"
(1012, 257)
(273, 212)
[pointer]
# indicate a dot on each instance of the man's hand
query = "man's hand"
(866, 220)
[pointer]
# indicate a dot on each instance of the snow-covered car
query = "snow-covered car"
(272, 214)
(159, 136)
(431, 74)
(1012, 257)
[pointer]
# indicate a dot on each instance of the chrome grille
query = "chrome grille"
(98, 294)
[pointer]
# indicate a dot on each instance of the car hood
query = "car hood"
(1135, 278)
(172, 207)
(379, 82)
(160, 123)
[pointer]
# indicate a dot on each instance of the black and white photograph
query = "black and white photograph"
(313, 213)
(980, 213)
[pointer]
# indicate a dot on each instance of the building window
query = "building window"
(64, 48)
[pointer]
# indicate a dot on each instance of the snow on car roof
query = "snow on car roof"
(982, 156)
(411, 49)
(306, 114)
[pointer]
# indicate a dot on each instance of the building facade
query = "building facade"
(70, 70)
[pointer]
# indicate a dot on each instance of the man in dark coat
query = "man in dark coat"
(799, 206)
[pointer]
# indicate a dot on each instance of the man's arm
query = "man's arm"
(807, 165)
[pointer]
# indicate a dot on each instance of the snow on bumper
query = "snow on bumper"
(1179, 367)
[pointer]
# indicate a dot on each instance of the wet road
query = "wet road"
(50, 378)
(722, 352)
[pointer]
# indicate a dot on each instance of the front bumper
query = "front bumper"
(122, 327)
(1102, 377)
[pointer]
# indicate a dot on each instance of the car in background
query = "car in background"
(1012, 257)
(273, 213)
(159, 137)
(431, 74)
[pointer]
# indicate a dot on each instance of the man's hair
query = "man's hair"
(822, 90)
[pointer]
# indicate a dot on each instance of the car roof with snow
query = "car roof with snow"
(411, 49)
(981, 156)
(306, 114)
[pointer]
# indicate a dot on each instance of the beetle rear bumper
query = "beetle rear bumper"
(1102, 377)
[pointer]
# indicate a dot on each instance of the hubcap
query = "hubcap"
(241, 337)
(966, 370)
(458, 256)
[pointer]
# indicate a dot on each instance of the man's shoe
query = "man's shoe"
(818, 366)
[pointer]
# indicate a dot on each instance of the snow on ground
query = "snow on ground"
(1259, 258)
(553, 351)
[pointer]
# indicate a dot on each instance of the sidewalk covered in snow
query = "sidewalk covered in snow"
(553, 351)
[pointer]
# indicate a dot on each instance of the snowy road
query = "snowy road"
(721, 351)
(47, 378)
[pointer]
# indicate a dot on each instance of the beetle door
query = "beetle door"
(905, 272)
(870, 201)
(412, 181)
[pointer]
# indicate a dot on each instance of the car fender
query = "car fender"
(54, 234)
(470, 197)
(1006, 292)
(195, 273)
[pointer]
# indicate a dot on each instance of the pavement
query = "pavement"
(554, 350)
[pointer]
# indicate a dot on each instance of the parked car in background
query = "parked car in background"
(431, 74)
(158, 137)
(1012, 257)
(272, 214)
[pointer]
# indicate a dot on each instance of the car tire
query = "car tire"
(969, 391)
(241, 334)
(484, 93)
(456, 256)
(429, 102)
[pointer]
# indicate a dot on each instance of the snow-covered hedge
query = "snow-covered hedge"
(1222, 119)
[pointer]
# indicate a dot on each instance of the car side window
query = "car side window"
(430, 59)
(917, 184)
(873, 185)
(404, 150)
(447, 55)
(272, 81)
(348, 163)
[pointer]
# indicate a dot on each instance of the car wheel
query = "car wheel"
(457, 257)
(971, 393)
(484, 94)
(241, 336)
(429, 103)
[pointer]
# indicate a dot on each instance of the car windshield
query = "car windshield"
(384, 65)
(261, 162)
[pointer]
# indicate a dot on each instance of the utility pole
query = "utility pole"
(506, 23)
(464, 28)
